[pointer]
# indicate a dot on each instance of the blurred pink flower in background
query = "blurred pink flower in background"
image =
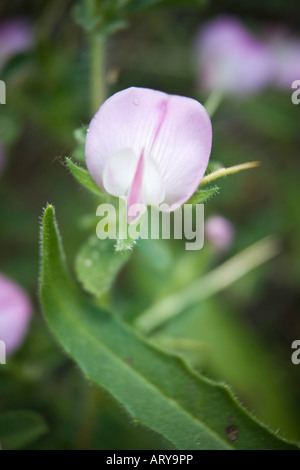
(149, 146)
(15, 36)
(15, 313)
(219, 232)
(285, 49)
(231, 59)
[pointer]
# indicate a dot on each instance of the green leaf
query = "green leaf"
(229, 350)
(202, 195)
(97, 264)
(83, 177)
(156, 388)
(20, 428)
(86, 16)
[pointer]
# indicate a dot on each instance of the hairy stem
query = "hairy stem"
(227, 171)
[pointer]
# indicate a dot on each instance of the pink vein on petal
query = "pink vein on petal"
(163, 112)
(135, 191)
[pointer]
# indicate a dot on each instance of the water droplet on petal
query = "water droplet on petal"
(135, 100)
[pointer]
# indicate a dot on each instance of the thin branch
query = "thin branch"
(227, 171)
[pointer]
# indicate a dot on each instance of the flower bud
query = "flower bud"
(219, 232)
(15, 313)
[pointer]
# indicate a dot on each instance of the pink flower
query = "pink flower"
(286, 56)
(149, 146)
(15, 37)
(231, 59)
(15, 312)
(219, 232)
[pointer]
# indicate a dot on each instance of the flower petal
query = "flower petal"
(126, 120)
(119, 172)
(15, 313)
(135, 192)
(182, 148)
(153, 185)
(172, 130)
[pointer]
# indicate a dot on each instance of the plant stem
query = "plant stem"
(97, 67)
(227, 171)
(213, 282)
(213, 102)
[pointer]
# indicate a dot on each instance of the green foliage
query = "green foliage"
(48, 91)
(107, 17)
(100, 18)
(156, 388)
(84, 178)
(20, 428)
(202, 195)
(230, 350)
(98, 263)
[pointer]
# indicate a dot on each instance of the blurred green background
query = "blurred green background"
(243, 335)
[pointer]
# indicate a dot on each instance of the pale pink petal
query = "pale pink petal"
(174, 131)
(153, 185)
(118, 172)
(126, 120)
(219, 232)
(182, 147)
(135, 191)
(15, 312)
